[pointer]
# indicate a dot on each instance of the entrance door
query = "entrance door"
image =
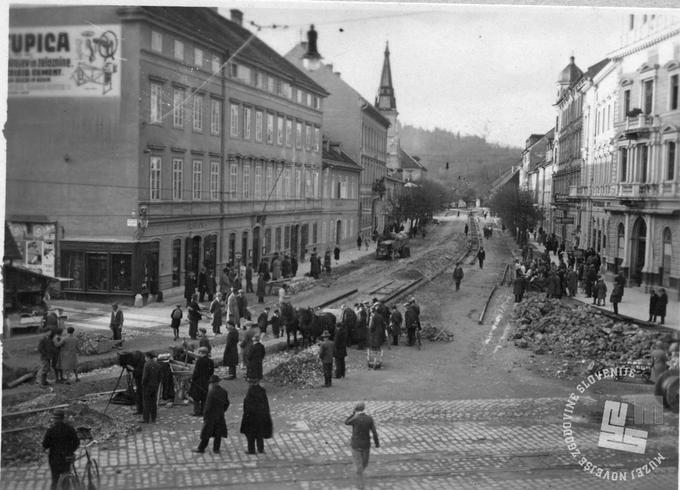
(210, 253)
(304, 237)
(192, 257)
(256, 245)
(338, 232)
(638, 249)
(294, 232)
(666, 259)
(150, 271)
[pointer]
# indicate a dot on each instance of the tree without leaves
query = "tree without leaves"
(419, 202)
(516, 209)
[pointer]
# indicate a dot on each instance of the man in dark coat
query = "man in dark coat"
(151, 379)
(481, 256)
(466, 229)
(189, 287)
(214, 425)
(361, 326)
(336, 253)
(276, 324)
(260, 292)
(340, 350)
(412, 322)
(314, 265)
(202, 284)
(458, 275)
(256, 423)
(61, 439)
(326, 354)
(661, 305)
(242, 303)
(263, 320)
(194, 314)
(349, 320)
(395, 324)
(230, 357)
(254, 357)
(518, 287)
(47, 350)
(204, 368)
(249, 278)
(216, 309)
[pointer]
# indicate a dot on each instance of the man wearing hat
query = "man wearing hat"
(411, 321)
(151, 379)
(362, 428)
(254, 357)
(232, 308)
(326, 352)
(256, 423)
(204, 368)
(214, 425)
(116, 324)
(263, 320)
(230, 357)
(61, 439)
(395, 324)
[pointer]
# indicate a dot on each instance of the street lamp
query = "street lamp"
(311, 59)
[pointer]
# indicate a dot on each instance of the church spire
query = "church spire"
(385, 99)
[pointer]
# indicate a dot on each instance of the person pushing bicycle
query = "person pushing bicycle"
(61, 439)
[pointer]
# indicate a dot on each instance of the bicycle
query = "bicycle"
(89, 478)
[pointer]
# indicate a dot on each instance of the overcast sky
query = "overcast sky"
(475, 69)
(478, 69)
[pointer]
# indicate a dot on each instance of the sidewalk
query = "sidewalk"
(635, 302)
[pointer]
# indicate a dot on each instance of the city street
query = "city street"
(462, 414)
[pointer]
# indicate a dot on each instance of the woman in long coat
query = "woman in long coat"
(661, 304)
(253, 357)
(216, 310)
(256, 423)
(68, 354)
(276, 268)
(259, 291)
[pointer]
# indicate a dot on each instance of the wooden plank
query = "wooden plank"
(34, 410)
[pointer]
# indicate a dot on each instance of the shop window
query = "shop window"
(72, 266)
(176, 261)
(121, 270)
(277, 235)
(97, 272)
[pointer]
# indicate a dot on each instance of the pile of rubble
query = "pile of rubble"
(434, 334)
(302, 370)
(90, 344)
(579, 336)
(23, 433)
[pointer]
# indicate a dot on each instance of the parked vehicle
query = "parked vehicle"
(390, 249)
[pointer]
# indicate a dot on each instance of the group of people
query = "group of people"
(58, 353)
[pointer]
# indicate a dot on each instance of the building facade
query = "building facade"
(172, 140)
(362, 130)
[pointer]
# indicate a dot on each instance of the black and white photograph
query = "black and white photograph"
(329, 245)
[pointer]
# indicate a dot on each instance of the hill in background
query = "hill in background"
(471, 158)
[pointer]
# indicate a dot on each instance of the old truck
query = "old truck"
(393, 248)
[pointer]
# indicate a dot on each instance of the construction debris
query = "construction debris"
(434, 334)
(302, 370)
(581, 338)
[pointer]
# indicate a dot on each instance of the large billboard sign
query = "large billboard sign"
(36, 242)
(64, 61)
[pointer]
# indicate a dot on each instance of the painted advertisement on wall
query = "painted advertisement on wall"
(64, 61)
(36, 242)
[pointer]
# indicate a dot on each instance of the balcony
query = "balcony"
(637, 191)
(638, 124)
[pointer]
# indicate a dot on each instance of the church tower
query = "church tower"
(386, 103)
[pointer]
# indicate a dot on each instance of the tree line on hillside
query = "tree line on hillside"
(471, 158)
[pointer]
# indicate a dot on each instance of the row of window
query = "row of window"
(640, 172)
(272, 84)
(213, 63)
(160, 108)
(272, 128)
(647, 95)
(248, 180)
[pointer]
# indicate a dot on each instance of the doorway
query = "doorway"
(304, 237)
(294, 232)
(338, 232)
(193, 252)
(256, 246)
(638, 250)
(666, 259)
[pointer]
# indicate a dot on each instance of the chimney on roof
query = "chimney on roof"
(236, 16)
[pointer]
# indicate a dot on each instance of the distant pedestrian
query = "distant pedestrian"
(376, 337)
(151, 379)
(216, 311)
(340, 350)
(615, 297)
(363, 427)
(189, 287)
(175, 320)
(254, 357)
(230, 356)
(481, 256)
(659, 360)
(260, 291)
(256, 423)
(214, 424)
(620, 280)
(116, 323)
(411, 321)
(661, 305)
(56, 358)
(518, 286)
(600, 296)
(336, 253)
(194, 314)
(395, 324)
(47, 351)
(653, 302)
(68, 355)
(202, 284)
(200, 378)
(466, 229)
(359, 242)
(458, 275)
(61, 440)
(249, 277)
(242, 303)
(276, 323)
(232, 308)
(263, 320)
(326, 353)
(572, 282)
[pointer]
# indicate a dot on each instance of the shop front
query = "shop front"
(106, 271)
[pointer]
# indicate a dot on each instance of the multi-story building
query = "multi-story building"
(643, 224)
(544, 173)
(362, 130)
(532, 155)
(340, 190)
(144, 143)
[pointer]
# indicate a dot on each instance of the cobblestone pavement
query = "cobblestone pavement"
(496, 443)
